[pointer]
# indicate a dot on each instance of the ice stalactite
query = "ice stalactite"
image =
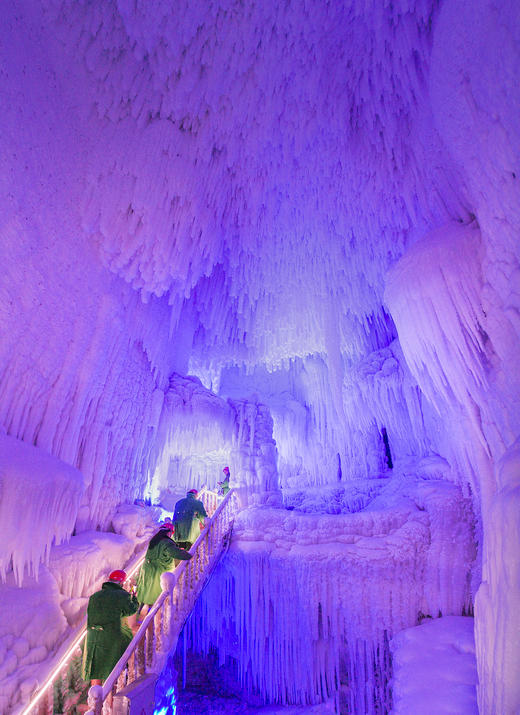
(303, 602)
(39, 500)
(201, 432)
(87, 387)
(194, 437)
(222, 188)
(439, 279)
(379, 391)
(254, 452)
(310, 439)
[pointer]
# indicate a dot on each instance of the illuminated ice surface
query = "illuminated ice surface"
(266, 235)
(434, 668)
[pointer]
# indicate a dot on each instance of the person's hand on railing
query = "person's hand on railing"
(130, 586)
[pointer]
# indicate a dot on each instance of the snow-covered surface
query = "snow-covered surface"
(39, 499)
(31, 623)
(435, 669)
(304, 601)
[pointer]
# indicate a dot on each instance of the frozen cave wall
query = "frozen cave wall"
(224, 191)
(303, 605)
(201, 432)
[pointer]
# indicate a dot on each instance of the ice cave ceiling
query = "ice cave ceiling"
(258, 165)
(227, 189)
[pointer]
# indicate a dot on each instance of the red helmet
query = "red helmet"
(226, 470)
(192, 491)
(118, 576)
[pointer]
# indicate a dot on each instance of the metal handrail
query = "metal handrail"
(162, 625)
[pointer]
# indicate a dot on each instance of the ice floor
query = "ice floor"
(435, 671)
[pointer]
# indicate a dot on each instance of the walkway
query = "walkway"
(158, 634)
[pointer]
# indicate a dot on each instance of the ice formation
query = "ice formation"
(39, 502)
(305, 600)
(269, 235)
(201, 432)
(26, 642)
(434, 668)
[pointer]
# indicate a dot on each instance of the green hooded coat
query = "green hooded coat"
(189, 513)
(159, 558)
(107, 635)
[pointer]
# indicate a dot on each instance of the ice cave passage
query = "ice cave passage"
(283, 237)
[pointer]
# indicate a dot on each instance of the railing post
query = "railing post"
(140, 657)
(95, 700)
(149, 644)
(168, 581)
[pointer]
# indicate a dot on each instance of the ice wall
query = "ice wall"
(39, 499)
(498, 597)
(460, 330)
(305, 602)
(436, 297)
(201, 432)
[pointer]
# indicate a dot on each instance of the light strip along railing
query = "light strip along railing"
(159, 631)
(42, 702)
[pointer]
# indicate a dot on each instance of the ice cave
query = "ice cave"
(281, 236)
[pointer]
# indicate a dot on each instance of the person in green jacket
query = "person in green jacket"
(224, 484)
(189, 514)
(161, 556)
(108, 636)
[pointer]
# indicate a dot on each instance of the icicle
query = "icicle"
(30, 527)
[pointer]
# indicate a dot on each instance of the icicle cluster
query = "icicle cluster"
(304, 602)
(80, 565)
(434, 297)
(201, 432)
(39, 499)
(211, 163)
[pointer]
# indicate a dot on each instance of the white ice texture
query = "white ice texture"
(310, 209)
(39, 503)
(434, 668)
(305, 601)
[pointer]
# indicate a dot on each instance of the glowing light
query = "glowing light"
(169, 708)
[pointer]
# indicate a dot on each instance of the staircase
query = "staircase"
(157, 636)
